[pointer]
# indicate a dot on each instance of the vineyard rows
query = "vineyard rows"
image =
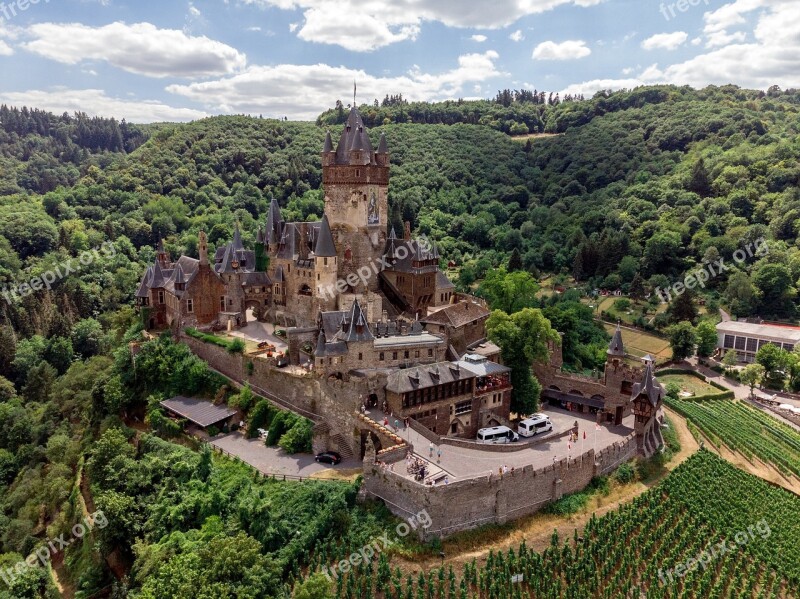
(628, 553)
(746, 430)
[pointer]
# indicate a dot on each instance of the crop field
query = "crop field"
(746, 430)
(709, 530)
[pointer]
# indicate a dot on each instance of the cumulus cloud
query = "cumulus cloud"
(140, 48)
(5, 49)
(665, 41)
(517, 36)
(302, 91)
(568, 50)
(95, 102)
(382, 22)
(479, 38)
(773, 59)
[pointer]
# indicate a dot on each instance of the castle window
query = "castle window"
(416, 354)
(430, 353)
(381, 356)
(325, 261)
(360, 356)
(189, 306)
(160, 297)
(394, 355)
(358, 171)
(405, 354)
(222, 303)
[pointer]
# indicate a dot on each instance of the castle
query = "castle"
(354, 298)
(373, 311)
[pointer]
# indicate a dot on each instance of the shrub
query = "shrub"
(261, 416)
(237, 346)
(298, 438)
(625, 474)
(212, 431)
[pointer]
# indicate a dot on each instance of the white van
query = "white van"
(536, 424)
(497, 434)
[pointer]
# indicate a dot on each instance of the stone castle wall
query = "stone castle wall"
(466, 504)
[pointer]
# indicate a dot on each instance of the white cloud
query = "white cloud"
(568, 50)
(303, 91)
(665, 41)
(479, 38)
(96, 102)
(139, 48)
(773, 59)
(517, 36)
(382, 22)
(5, 49)
(717, 39)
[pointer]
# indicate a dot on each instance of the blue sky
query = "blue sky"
(179, 60)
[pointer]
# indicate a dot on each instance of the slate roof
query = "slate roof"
(274, 220)
(403, 261)
(457, 315)
(358, 327)
(324, 247)
(144, 286)
(480, 366)
(649, 386)
(442, 282)
(429, 375)
(200, 411)
(354, 137)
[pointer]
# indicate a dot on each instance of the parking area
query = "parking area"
(465, 462)
(273, 460)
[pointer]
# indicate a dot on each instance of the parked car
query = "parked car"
(328, 457)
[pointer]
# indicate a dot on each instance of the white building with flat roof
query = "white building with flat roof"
(746, 337)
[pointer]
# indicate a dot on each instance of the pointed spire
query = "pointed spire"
(328, 143)
(616, 348)
(392, 234)
(178, 276)
(325, 248)
(237, 238)
(144, 286)
(321, 341)
(382, 146)
(274, 222)
(158, 278)
(649, 386)
(161, 246)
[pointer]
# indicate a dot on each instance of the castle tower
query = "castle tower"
(325, 268)
(355, 178)
(615, 353)
(647, 398)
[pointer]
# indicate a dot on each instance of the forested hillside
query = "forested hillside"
(632, 190)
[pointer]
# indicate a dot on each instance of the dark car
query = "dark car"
(328, 457)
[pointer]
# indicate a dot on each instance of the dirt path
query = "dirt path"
(537, 529)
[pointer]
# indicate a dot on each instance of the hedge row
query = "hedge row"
(235, 346)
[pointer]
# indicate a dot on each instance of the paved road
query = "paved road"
(273, 460)
(462, 462)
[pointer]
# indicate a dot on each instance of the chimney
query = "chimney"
(203, 248)
(407, 231)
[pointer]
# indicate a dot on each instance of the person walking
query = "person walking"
(439, 456)
(430, 450)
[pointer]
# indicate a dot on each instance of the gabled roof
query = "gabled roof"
(649, 386)
(457, 315)
(358, 326)
(178, 276)
(325, 246)
(616, 348)
(442, 282)
(202, 412)
(412, 251)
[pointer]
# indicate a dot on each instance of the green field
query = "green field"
(640, 344)
(689, 383)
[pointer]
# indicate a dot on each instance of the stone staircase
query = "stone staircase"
(343, 446)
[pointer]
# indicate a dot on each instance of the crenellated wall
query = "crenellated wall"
(466, 504)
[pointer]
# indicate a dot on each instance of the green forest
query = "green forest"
(629, 190)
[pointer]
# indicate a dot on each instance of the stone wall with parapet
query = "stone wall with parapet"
(466, 504)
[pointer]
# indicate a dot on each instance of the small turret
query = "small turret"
(202, 247)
